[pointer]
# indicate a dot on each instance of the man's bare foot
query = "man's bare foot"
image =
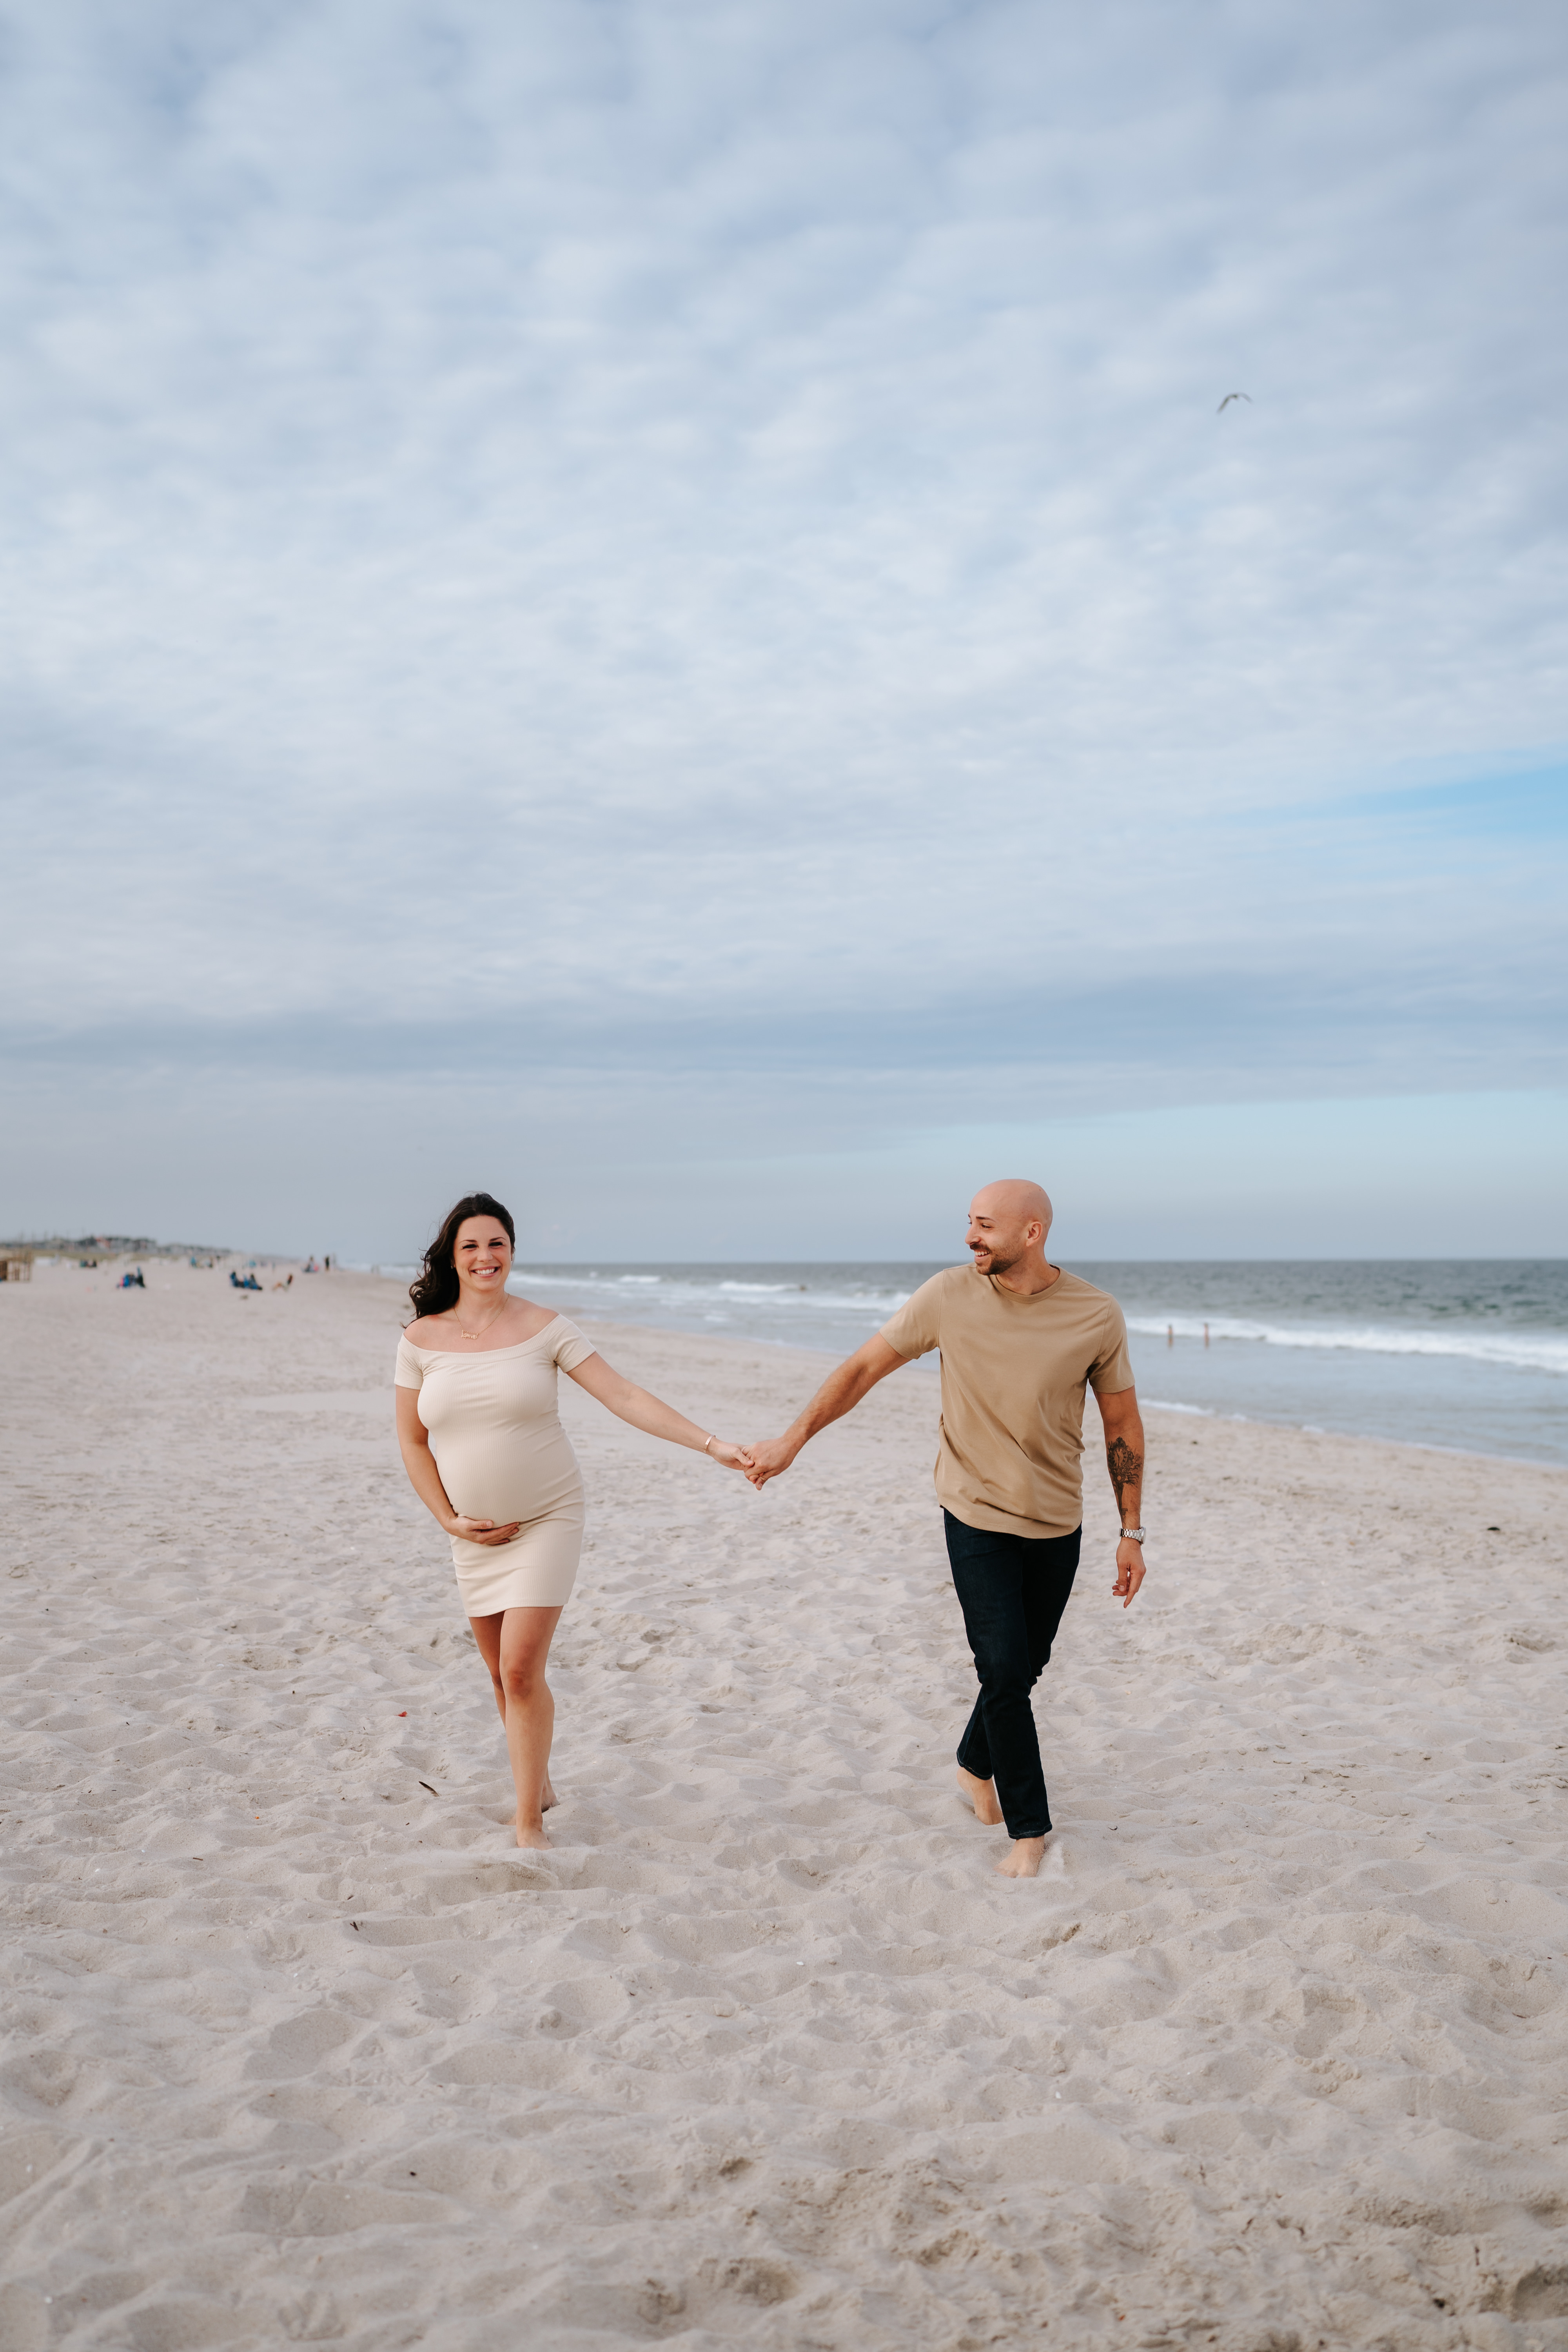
(981, 1796)
(1023, 1858)
(548, 1796)
(534, 1839)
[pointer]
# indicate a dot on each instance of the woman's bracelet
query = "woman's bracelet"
(711, 1436)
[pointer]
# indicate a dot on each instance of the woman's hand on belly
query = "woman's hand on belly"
(481, 1531)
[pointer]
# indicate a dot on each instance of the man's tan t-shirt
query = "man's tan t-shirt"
(1013, 1371)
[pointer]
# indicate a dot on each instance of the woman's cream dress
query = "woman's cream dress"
(496, 1433)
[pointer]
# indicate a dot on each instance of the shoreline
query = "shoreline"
(1349, 1437)
(762, 2052)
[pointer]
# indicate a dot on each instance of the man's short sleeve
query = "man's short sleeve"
(1111, 1371)
(916, 1329)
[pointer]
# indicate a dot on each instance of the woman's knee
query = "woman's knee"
(522, 1678)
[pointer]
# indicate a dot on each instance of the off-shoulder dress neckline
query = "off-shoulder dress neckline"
(463, 1355)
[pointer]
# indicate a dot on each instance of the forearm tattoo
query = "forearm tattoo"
(1126, 1469)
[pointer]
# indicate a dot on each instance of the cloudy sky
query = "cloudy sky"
(650, 603)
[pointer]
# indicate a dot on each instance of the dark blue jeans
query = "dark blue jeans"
(1012, 1590)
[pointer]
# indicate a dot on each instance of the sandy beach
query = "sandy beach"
(299, 2049)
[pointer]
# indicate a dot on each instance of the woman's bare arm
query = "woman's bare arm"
(644, 1411)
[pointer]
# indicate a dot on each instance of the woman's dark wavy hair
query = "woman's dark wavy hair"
(434, 1289)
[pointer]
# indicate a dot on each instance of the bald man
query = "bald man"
(1020, 1342)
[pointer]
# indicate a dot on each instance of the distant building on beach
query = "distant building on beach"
(17, 1257)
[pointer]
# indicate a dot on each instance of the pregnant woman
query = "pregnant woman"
(483, 1442)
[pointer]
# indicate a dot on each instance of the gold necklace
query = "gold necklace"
(480, 1334)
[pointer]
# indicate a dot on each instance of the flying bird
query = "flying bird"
(1224, 404)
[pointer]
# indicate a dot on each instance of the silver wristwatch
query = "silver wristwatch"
(1133, 1535)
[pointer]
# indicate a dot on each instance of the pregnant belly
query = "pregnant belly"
(528, 1476)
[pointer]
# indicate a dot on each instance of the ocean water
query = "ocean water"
(1467, 1354)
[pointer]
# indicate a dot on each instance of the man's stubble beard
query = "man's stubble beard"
(999, 1264)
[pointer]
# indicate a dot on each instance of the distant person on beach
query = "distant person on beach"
(1020, 1340)
(482, 1442)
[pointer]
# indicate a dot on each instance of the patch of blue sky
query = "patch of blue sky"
(1507, 802)
(1508, 805)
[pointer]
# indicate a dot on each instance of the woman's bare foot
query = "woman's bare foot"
(1023, 1858)
(981, 1796)
(547, 1796)
(534, 1839)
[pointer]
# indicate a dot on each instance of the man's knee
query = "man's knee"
(1004, 1677)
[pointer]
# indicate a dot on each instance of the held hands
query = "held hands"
(768, 1460)
(733, 1457)
(1128, 1573)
